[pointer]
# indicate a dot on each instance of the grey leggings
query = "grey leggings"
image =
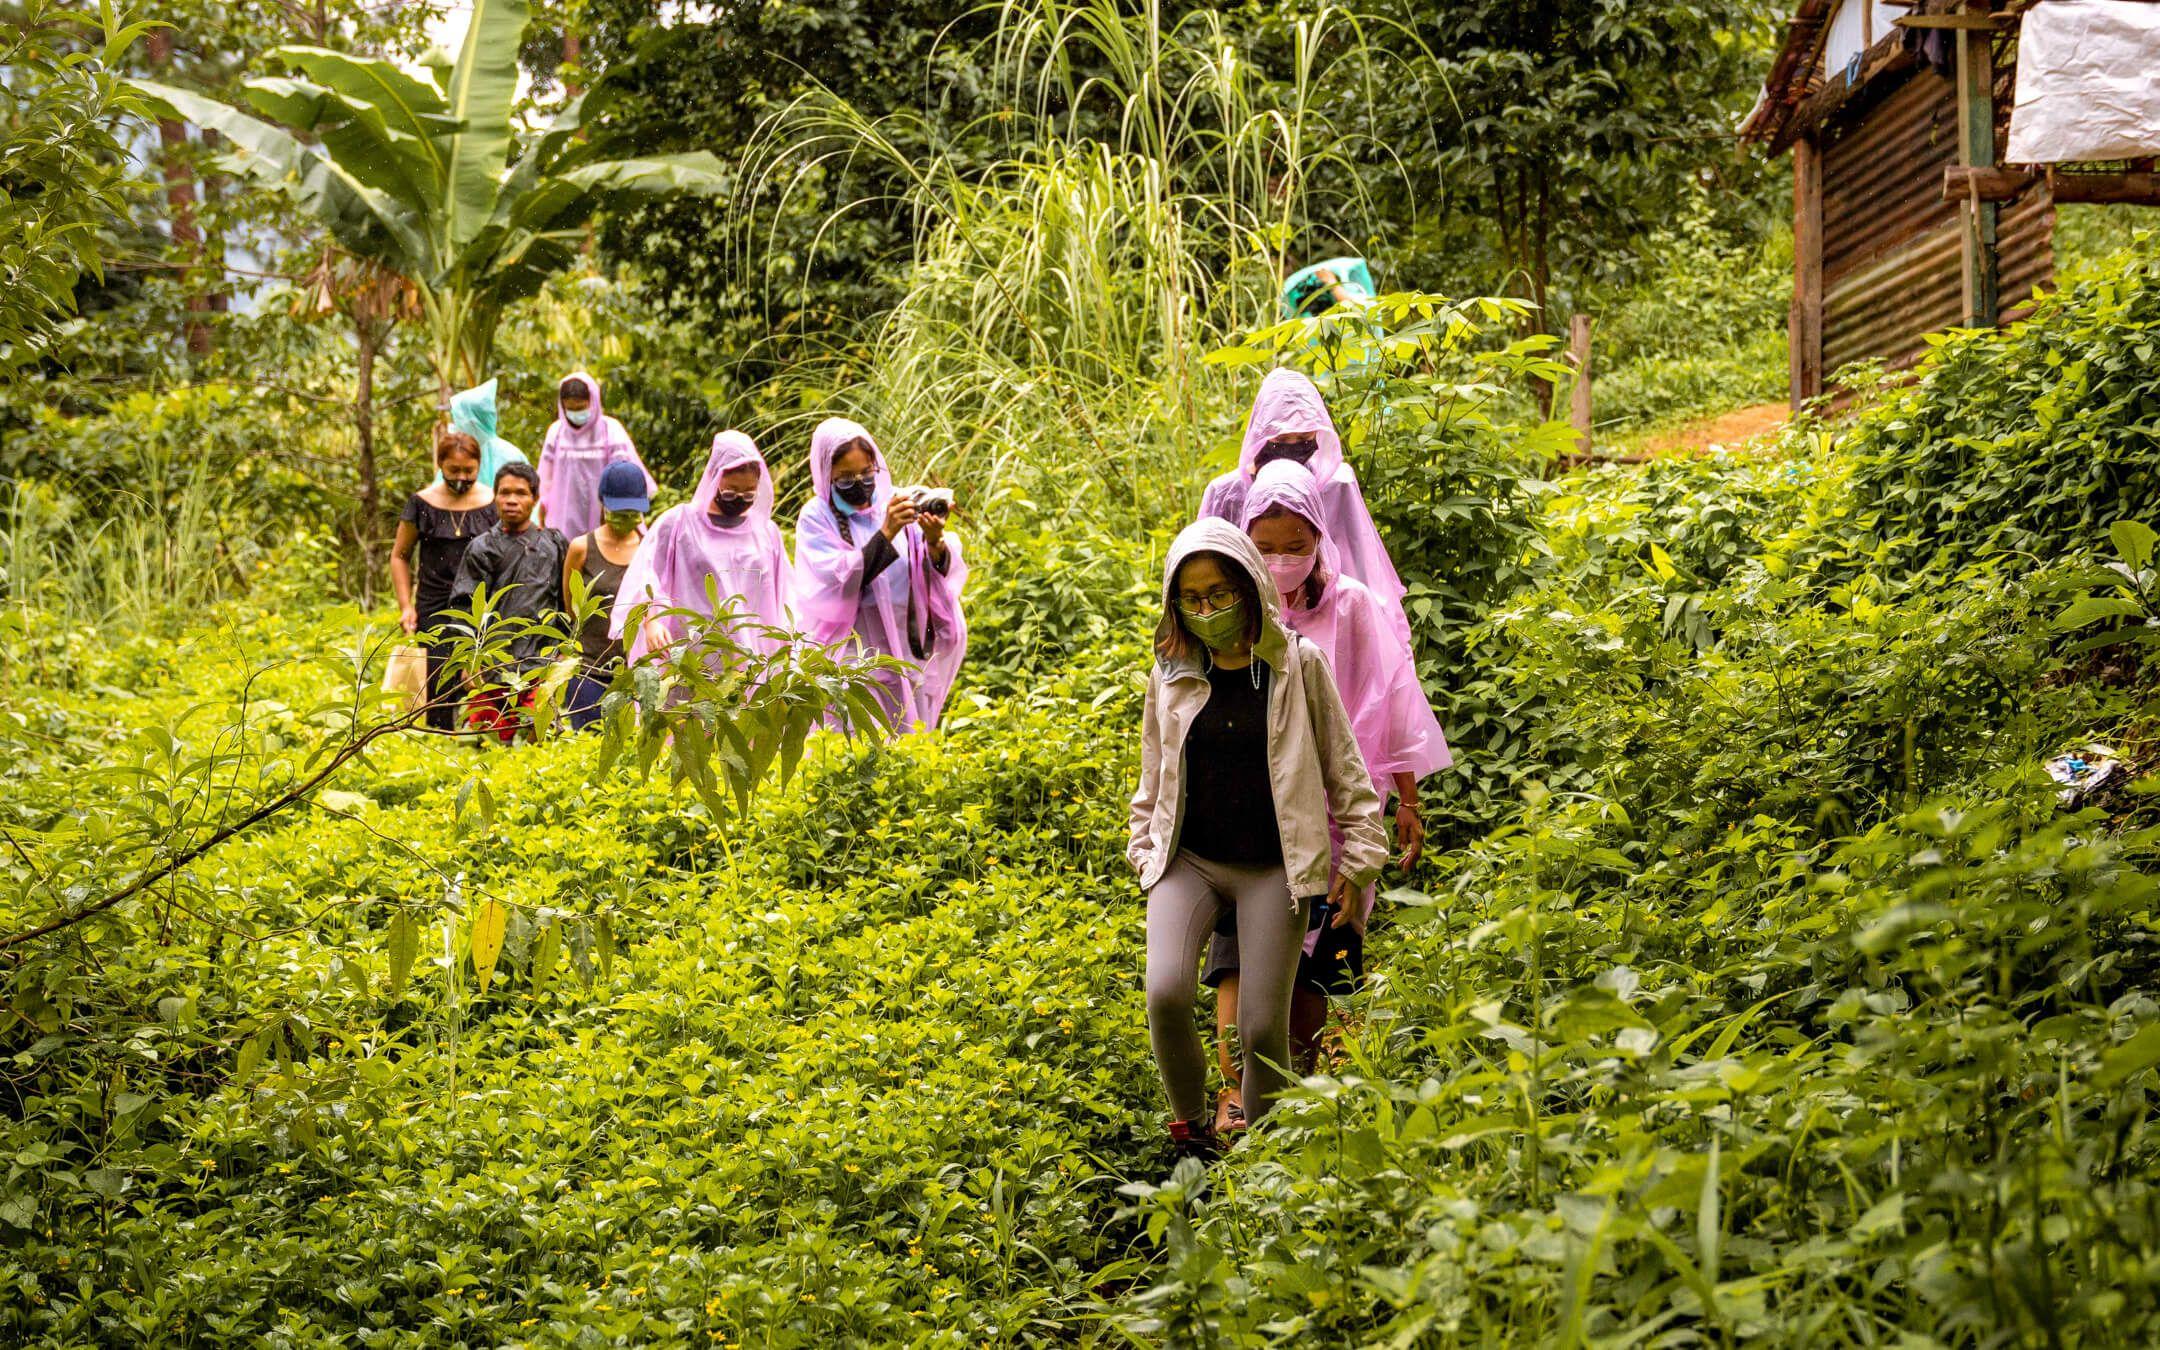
(1181, 913)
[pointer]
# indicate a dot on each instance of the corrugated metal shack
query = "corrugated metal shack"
(1878, 101)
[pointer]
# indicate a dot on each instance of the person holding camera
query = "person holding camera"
(879, 567)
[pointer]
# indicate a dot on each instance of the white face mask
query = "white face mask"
(578, 419)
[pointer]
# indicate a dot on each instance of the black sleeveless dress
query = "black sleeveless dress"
(600, 653)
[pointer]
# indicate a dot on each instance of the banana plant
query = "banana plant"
(429, 176)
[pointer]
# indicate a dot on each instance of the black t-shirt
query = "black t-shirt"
(444, 536)
(1229, 799)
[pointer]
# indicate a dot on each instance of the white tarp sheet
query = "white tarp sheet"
(2088, 82)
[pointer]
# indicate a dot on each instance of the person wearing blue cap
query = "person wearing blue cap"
(598, 559)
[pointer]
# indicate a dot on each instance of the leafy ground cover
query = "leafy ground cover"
(1765, 991)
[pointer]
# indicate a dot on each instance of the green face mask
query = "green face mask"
(623, 522)
(1221, 630)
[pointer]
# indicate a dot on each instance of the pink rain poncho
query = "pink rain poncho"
(684, 547)
(571, 459)
(1289, 404)
(910, 610)
(1389, 715)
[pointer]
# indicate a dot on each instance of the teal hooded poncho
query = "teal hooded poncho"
(1302, 286)
(473, 412)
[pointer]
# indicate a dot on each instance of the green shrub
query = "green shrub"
(2030, 440)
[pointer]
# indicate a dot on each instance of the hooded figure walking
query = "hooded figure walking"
(580, 445)
(1290, 421)
(1248, 765)
(724, 535)
(472, 411)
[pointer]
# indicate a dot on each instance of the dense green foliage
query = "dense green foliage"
(1760, 985)
(1764, 957)
(408, 173)
(60, 176)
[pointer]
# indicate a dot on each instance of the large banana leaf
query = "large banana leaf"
(366, 220)
(412, 105)
(358, 136)
(406, 112)
(480, 92)
(552, 201)
(696, 172)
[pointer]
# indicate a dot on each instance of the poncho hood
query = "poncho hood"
(473, 412)
(1211, 535)
(685, 547)
(1289, 404)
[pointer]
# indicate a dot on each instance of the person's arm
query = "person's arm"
(573, 561)
(1409, 821)
(1353, 804)
(1138, 845)
(933, 533)
(559, 611)
(401, 579)
(878, 554)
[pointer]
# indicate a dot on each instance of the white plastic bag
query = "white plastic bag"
(406, 676)
(2088, 82)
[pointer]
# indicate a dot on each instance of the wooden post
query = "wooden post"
(1976, 150)
(1804, 329)
(1578, 350)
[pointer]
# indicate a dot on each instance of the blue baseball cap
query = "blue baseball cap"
(622, 488)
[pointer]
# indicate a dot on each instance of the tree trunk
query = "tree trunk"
(369, 337)
(180, 197)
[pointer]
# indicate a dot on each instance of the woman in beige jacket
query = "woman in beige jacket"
(1247, 757)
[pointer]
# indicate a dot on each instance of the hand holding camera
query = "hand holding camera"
(929, 507)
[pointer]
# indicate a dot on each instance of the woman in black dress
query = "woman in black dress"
(439, 520)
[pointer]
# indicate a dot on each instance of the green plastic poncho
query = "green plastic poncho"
(473, 412)
(1304, 284)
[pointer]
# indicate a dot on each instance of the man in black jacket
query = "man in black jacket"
(521, 565)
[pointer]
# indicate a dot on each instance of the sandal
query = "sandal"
(1194, 1139)
(1229, 1112)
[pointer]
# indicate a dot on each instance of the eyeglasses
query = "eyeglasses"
(1214, 602)
(734, 498)
(843, 484)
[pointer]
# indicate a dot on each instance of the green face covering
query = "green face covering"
(623, 522)
(1221, 630)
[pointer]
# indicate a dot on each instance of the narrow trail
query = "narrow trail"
(1739, 426)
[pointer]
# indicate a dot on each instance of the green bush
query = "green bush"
(2030, 440)
(1703, 331)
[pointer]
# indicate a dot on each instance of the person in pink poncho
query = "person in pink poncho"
(1290, 421)
(1390, 717)
(724, 533)
(583, 441)
(868, 563)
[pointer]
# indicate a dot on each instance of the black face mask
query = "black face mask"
(1300, 453)
(459, 486)
(729, 510)
(857, 494)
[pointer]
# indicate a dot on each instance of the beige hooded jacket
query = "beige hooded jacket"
(1314, 765)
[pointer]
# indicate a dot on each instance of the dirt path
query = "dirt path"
(1728, 429)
